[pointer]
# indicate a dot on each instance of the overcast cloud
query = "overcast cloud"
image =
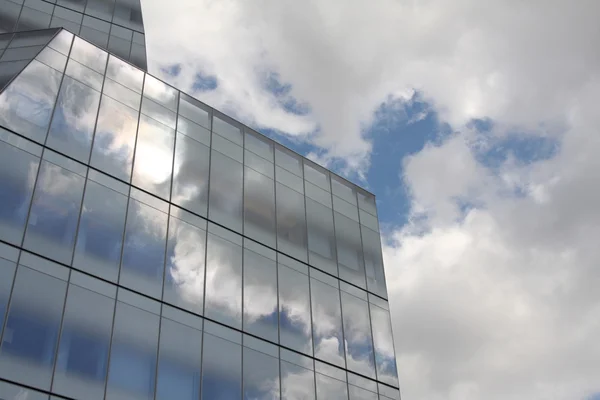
(494, 282)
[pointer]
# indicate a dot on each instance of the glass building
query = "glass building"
(151, 247)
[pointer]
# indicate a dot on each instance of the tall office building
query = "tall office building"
(153, 248)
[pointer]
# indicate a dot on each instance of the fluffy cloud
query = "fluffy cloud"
(493, 290)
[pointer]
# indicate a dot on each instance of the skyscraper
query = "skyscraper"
(153, 247)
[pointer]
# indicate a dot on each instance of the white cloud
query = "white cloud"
(497, 302)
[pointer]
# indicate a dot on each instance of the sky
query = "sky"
(476, 126)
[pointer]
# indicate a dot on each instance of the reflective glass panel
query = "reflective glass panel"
(296, 382)
(54, 213)
(221, 369)
(374, 262)
(117, 91)
(316, 175)
(327, 323)
(321, 237)
(15, 392)
(160, 92)
(7, 273)
(100, 236)
(179, 361)
(291, 222)
(89, 55)
(144, 249)
(125, 74)
(349, 250)
(193, 130)
(260, 296)
(343, 190)
(193, 110)
(18, 170)
(133, 352)
(357, 393)
(227, 130)
(26, 104)
(114, 141)
(83, 351)
(184, 274)
(331, 389)
(190, 175)
(366, 202)
(84, 74)
(259, 145)
(259, 207)
(74, 120)
(158, 112)
(357, 331)
(52, 58)
(100, 8)
(261, 376)
(294, 310)
(29, 342)
(286, 159)
(224, 281)
(154, 157)
(226, 191)
(385, 358)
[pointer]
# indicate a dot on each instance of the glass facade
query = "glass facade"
(153, 248)
(113, 25)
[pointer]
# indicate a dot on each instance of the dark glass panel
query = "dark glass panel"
(190, 175)
(261, 376)
(294, 310)
(327, 323)
(226, 191)
(291, 222)
(259, 207)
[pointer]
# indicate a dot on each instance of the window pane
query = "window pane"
(296, 382)
(374, 262)
(294, 310)
(184, 276)
(227, 130)
(89, 55)
(286, 159)
(357, 331)
(26, 104)
(349, 250)
(154, 157)
(158, 112)
(74, 120)
(190, 175)
(343, 189)
(330, 388)
(291, 222)
(259, 207)
(54, 213)
(117, 91)
(179, 362)
(327, 320)
(259, 145)
(18, 170)
(132, 366)
(28, 345)
(193, 110)
(366, 202)
(15, 392)
(160, 92)
(316, 175)
(8, 15)
(77, 5)
(321, 238)
(100, 8)
(260, 296)
(100, 237)
(83, 350)
(224, 281)
(221, 369)
(7, 274)
(226, 187)
(261, 376)
(357, 393)
(31, 19)
(144, 249)
(115, 138)
(385, 358)
(125, 74)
